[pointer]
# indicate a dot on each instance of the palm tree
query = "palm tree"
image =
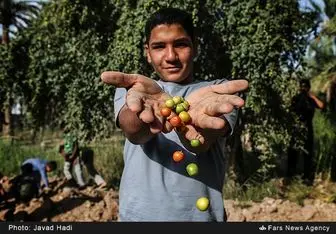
(17, 14)
(14, 15)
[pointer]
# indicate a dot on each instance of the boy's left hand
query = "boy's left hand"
(207, 104)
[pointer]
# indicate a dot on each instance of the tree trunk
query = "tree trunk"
(5, 34)
(7, 124)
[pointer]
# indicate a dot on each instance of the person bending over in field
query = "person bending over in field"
(69, 149)
(33, 179)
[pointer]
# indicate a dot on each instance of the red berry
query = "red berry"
(175, 121)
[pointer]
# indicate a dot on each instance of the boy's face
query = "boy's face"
(170, 51)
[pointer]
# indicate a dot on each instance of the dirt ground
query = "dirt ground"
(94, 205)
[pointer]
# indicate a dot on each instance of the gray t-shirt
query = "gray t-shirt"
(155, 188)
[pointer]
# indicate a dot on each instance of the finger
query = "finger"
(118, 79)
(147, 115)
(230, 87)
(210, 122)
(191, 133)
(234, 100)
(156, 126)
(217, 108)
(167, 127)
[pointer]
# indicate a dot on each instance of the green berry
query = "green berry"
(179, 108)
(195, 143)
(170, 103)
(177, 100)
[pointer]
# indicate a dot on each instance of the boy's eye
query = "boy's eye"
(158, 47)
(181, 44)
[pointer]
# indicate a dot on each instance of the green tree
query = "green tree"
(267, 43)
(17, 14)
(67, 53)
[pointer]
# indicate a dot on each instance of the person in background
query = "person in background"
(88, 160)
(39, 168)
(69, 149)
(304, 105)
(33, 179)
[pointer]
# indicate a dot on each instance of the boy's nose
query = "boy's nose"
(171, 54)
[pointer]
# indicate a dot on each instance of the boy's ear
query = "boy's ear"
(149, 60)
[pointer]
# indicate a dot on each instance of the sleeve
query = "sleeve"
(232, 117)
(42, 170)
(119, 102)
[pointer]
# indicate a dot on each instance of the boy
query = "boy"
(153, 187)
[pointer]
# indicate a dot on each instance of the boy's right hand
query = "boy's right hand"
(144, 97)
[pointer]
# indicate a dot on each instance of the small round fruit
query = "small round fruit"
(185, 105)
(192, 169)
(170, 103)
(175, 121)
(177, 100)
(184, 116)
(179, 108)
(195, 143)
(202, 203)
(178, 156)
(165, 112)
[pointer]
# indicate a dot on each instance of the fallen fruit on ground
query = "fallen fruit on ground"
(202, 203)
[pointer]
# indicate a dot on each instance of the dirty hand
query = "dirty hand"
(144, 97)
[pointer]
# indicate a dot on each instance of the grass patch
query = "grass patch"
(252, 191)
(108, 159)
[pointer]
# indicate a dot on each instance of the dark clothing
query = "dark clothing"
(304, 106)
(38, 167)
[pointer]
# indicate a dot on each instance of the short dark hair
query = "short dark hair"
(305, 82)
(170, 16)
(52, 165)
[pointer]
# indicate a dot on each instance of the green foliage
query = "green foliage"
(128, 45)
(67, 54)
(13, 60)
(266, 41)
(12, 155)
(70, 44)
(252, 191)
(325, 141)
(297, 192)
(107, 158)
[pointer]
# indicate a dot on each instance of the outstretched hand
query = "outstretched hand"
(144, 97)
(208, 104)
